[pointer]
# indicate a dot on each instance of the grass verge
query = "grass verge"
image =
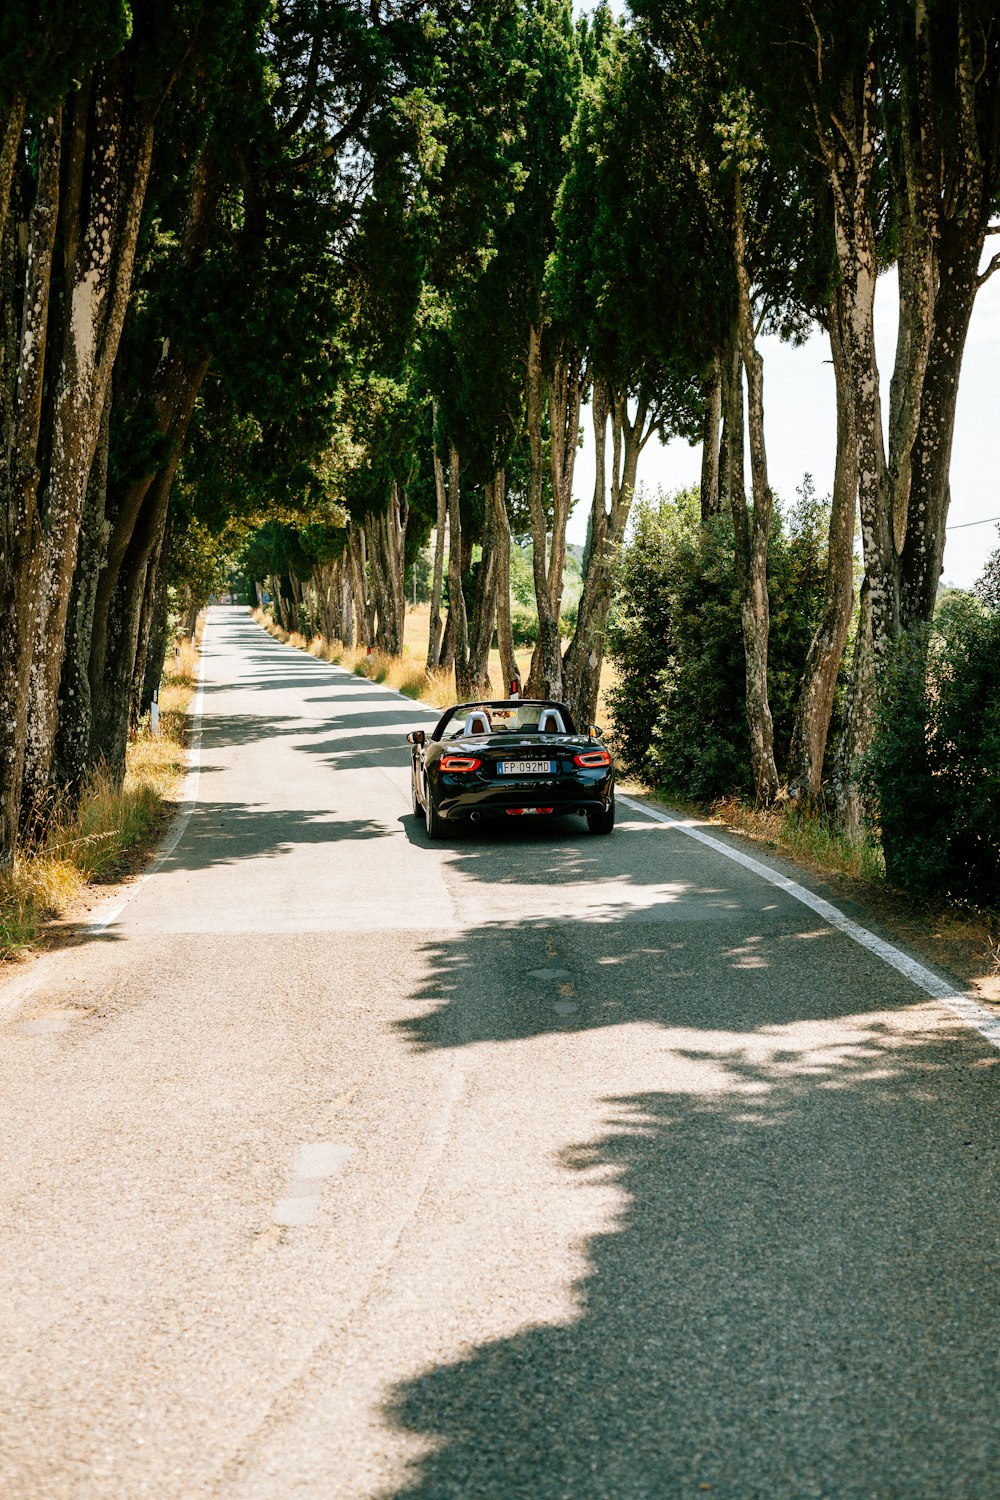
(108, 831)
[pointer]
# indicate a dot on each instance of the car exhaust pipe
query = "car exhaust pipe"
(474, 817)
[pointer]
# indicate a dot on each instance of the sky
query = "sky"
(800, 431)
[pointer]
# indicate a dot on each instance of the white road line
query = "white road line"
(963, 1006)
(112, 910)
(312, 1164)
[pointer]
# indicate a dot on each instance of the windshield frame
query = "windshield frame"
(461, 710)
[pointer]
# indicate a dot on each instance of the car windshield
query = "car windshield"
(507, 716)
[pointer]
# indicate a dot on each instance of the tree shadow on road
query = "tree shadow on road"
(790, 1300)
(220, 833)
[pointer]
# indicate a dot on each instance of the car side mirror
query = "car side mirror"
(416, 737)
(595, 732)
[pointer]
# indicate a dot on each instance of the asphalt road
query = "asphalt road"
(531, 1164)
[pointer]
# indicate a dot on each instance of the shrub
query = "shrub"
(933, 770)
(524, 625)
(675, 638)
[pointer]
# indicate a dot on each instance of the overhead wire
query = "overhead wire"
(961, 525)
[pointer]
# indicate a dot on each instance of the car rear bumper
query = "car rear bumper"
(563, 796)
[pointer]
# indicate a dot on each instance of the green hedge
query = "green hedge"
(933, 771)
(678, 711)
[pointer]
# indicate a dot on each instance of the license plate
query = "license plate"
(526, 767)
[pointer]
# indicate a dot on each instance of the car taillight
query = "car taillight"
(592, 758)
(459, 763)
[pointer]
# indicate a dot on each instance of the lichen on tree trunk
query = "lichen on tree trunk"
(814, 708)
(561, 379)
(752, 534)
(112, 139)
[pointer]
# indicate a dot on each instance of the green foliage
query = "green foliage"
(933, 771)
(47, 49)
(988, 586)
(637, 157)
(524, 625)
(522, 579)
(678, 708)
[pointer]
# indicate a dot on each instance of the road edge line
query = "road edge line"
(961, 1005)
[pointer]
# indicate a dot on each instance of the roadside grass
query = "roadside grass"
(107, 831)
(813, 840)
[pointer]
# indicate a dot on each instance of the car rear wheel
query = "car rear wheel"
(433, 821)
(603, 821)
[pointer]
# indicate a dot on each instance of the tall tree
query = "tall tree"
(908, 95)
(281, 188)
(646, 327)
(78, 172)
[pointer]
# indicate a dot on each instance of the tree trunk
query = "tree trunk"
(456, 594)
(951, 162)
(346, 631)
(279, 601)
(850, 170)
(363, 610)
(189, 620)
(922, 547)
(496, 505)
(72, 759)
(137, 518)
(434, 640)
(857, 733)
(476, 682)
(946, 172)
(391, 532)
(298, 610)
(155, 652)
(752, 535)
(138, 703)
(115, 147)
(25, 292)
(378, 585)
(711, 496)
(544, 678)
(564, 385)
(10, 145)
(585, 653)
(819, 679)
(447, 659)
(327, 590)
(386, 542)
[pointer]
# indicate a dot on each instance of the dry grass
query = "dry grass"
(814, 841)
(103, 833)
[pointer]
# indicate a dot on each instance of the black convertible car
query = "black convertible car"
(510, 757)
